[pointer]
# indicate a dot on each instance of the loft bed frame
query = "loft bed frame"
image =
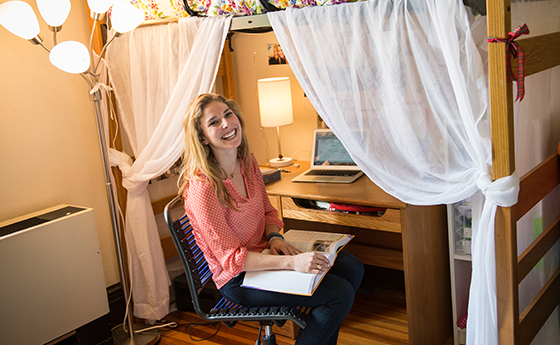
(542, 53)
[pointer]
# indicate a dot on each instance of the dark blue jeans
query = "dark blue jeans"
(330, 303)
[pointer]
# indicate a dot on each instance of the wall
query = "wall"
(49, 149)
(48, 138)
(250, 63)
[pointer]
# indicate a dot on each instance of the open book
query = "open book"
(293, 282)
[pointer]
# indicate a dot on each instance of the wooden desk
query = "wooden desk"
(408, 238)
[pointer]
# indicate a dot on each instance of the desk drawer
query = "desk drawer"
(390, 221)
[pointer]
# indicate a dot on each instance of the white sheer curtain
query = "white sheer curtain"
(402, 84)
(156, 72)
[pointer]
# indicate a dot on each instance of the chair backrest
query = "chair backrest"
(198, 272)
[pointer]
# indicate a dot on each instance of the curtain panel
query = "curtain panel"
(402, 84)
(156, 72)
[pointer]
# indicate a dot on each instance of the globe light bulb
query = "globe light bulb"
(54, 12)
(100, 6)
(125, 17)
(18, 17)
(70, 56)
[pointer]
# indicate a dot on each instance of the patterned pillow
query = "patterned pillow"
(237, 7)
(200, 6)
(160, 9)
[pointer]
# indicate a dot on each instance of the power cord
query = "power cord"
(196, 323)
(298, 151)
(172, 324)
(169, 324)
(189, 327)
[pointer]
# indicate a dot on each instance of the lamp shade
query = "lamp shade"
(18, 17)
(70, 56)
(100, 6)
(54, 12)
(125, 17)
(275, 102)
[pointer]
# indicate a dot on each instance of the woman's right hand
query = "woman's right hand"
(310, 262)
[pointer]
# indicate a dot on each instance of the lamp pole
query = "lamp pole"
(120, 336)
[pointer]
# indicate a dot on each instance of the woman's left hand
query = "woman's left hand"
(279, 247)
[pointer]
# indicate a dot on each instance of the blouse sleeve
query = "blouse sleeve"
(217, 239)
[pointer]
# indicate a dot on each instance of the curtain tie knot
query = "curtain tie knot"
(100, 86)
(502, 192)
(120, 159)
(516, 52)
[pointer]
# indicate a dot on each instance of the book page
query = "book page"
(308, 241)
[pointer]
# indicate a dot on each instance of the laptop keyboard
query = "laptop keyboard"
(333, 172)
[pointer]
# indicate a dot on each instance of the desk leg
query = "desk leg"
(426, 273)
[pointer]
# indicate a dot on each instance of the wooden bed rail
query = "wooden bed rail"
(536, 184)
(522, 329)
(535, 315)
(541, 53)
(540, 246)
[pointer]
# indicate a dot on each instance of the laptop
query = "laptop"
(330, 162)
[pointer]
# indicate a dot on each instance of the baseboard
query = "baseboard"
(117, 305)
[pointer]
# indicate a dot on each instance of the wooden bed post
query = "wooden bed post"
(225, 71)
(503, 163)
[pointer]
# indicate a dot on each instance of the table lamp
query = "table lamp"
(275, 103)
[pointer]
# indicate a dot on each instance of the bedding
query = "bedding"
(162, 9)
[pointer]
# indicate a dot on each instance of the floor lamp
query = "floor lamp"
(74, 57)
(275, 103)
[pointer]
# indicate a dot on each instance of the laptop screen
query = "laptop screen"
(328, 150)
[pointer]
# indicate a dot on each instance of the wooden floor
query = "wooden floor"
(378, 317)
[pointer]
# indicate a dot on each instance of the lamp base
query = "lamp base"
(149, 337)
(280, 162)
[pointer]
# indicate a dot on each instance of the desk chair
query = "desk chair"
(227, 312)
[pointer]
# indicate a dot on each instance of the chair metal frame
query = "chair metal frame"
(198, 274)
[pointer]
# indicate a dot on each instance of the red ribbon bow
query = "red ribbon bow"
(518, 53)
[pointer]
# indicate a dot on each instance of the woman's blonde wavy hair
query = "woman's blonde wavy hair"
(198, 159)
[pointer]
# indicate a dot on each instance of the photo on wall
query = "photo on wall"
(276, 55)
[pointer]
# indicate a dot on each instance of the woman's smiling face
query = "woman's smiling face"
(220, 126)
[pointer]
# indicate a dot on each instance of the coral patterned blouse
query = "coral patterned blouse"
(225, 235)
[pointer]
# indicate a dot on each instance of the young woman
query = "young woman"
(234, 222)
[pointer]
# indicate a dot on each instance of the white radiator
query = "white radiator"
(51, 276)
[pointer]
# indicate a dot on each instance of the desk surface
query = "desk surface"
(360, 192)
